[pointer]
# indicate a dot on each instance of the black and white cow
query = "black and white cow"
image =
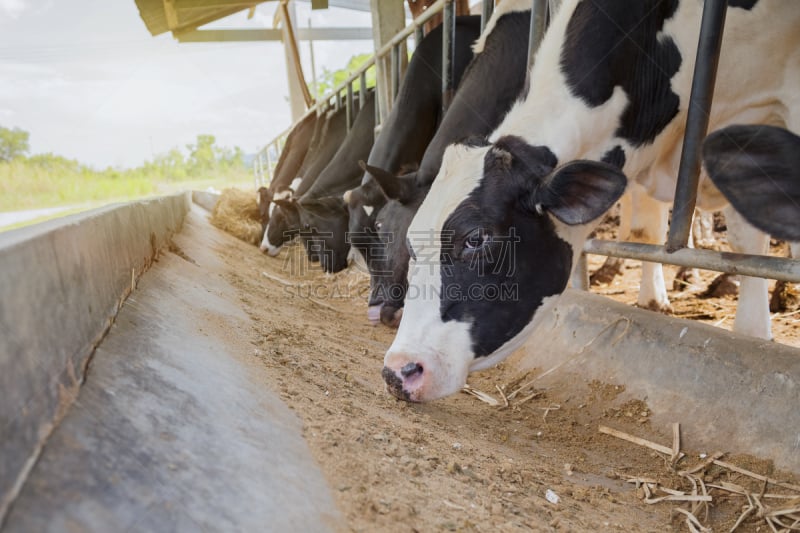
(607, 99)
(319, 215)
(329, 134)
(411, 124)
(492, 82)
(289, 162)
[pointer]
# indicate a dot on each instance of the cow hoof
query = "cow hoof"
(784, 298)
(721, 286)
(652, 305)
(607, 272)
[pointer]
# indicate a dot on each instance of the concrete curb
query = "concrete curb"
(63, 283)
(206, 200)
(730, 392)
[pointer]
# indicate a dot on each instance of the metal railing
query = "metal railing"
(675, 251)
(263, 165)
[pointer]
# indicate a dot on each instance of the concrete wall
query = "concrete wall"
(62, 284)
(730, 392)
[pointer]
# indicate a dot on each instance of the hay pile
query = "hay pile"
(237, 213)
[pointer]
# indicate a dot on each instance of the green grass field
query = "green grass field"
(52, 181)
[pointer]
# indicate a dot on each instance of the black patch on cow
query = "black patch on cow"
(615, 156)
(610, 43)
(523, 260)
(744, 4)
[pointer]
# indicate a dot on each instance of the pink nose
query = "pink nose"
(405, 382)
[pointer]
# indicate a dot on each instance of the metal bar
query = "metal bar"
(349, 106)
(394, 77)
(362, 91)
(538, 26)
(251, 35)
(360, 73)
(338, 103)
(448, 51)
(487, 8)
(268, 171)
(759, 266)
(705, 74)
(419, 34)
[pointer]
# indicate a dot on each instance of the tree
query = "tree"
(330, 79)
(13, 143)
(201, 155)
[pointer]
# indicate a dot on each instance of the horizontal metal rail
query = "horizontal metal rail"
(759, 266)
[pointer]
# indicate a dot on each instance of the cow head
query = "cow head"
(387, 257)
(492, 244)
(283, 225)
(323, 228)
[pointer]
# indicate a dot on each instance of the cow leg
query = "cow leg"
(649, 225)
(752, 310)
(612, 266)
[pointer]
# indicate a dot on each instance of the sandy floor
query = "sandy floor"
(460, 464)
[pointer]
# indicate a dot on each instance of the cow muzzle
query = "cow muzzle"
(407, 382)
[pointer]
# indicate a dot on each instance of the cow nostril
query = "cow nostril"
(411, 369)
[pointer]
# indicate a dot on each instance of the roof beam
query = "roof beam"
(303, 34)
(213, 4)
(171, 14)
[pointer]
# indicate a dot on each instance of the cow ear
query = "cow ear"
(580, 191)
(399, 188)
(757, 168)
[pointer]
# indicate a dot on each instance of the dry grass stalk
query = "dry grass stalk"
(548, 409)
(676, 444)
(636, 440)
(482, 396)
(502, 395)
(753, 475)
(692, 522)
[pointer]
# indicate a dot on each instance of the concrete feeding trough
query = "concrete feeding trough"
(125, 386)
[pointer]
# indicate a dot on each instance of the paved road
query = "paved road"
(13, 217)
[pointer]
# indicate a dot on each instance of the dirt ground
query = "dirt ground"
(460, 464)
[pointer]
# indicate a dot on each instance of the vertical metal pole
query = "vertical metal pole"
(268, 171)
(395, 73)
(448, 51)
(362, 91)
(538, 26)
(313, 66)
(705, 74)
(377, 109)
(338, 103)
(349, 103)
(487, 9)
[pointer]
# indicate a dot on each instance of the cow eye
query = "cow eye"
(476, 240)
(378, 226)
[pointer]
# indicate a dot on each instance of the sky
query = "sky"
(87, 80)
